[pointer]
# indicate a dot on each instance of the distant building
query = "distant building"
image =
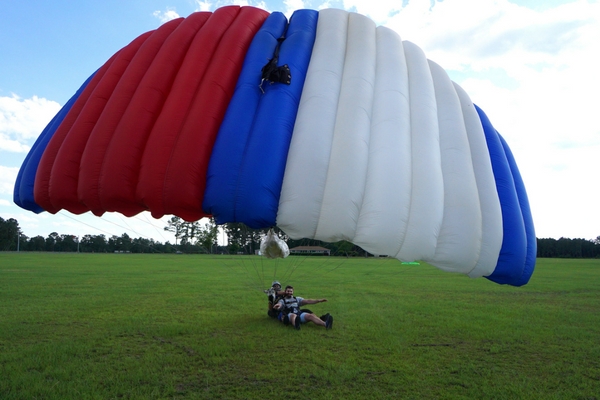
(314, 250)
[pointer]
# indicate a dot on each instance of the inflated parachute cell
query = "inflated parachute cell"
(325, 125)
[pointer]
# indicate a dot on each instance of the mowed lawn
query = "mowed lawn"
(125, 326)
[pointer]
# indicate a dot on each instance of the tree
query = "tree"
(142, 245)
(175, 226)
(52, 241)
(36, 243)
(68, 243)
(241, 238)
(9, 234)
(124, 243)
(194, 235)
(206, 235)
(183, 230)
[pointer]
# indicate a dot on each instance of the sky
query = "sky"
(529, 64)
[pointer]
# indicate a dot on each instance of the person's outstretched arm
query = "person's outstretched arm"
(313, 301)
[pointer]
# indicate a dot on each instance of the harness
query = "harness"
(290, 305)
(273, 298)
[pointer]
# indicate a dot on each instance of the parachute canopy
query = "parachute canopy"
(325, 125)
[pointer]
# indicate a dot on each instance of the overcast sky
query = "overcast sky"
(531, 65)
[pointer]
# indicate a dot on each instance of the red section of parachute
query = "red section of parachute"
(42, 181)
(119, 174)
(64, 175)
(176, 111)
(174, 182)
(140, 135)
(94, 155)
(80, 118)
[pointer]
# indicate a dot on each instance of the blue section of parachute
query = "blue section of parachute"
(511, 261)
(232, 139)
(23, 192)
(247, 165)
(527, 217)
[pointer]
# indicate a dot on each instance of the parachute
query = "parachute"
(326, 125)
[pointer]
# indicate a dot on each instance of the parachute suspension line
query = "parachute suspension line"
(273, 73)
(102, 230)
(125, 222)
(254, 268)
(145, 220)
(319, 271)
(262, 269)
(238, 265)
(83, 223)
(290, 271)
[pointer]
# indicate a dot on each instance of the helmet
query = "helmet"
(276, 283)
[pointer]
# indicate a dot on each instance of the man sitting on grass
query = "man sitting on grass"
(289, 309)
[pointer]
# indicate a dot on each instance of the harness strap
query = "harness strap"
(273, 73)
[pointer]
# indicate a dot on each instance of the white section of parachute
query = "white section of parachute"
(271, 246)
(388, 153)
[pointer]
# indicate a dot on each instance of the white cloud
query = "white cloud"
(293, 5)
(8, 144)
(22, 120)
(203, 6)
(166, 16)
(8, 176)
(378, 11)
(5, 202)
(212, 6)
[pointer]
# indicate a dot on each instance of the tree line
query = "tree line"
(190, 237)
(202, 237)
(568, 248)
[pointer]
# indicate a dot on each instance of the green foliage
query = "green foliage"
(201, 237)
(9, 232)
(568, 248)
(82, 326)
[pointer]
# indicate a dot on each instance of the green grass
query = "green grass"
(124, 326)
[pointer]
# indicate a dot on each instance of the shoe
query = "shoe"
(297, 323)
(324, 317)
(329, 323)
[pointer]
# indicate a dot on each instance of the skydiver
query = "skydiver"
(289, 308)
(274, 294)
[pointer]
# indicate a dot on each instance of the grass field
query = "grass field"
(124, 326)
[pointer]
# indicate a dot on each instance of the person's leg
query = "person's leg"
(295, 320)
(305, 317)
(283, 318)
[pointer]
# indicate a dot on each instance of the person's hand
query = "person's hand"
(322, 300)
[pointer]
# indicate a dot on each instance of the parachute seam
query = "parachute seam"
(187, 114)
(237, 193)
(376, 76)
(111, 142)
(334, 128)
(412, 169)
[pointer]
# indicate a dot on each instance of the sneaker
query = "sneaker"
(329, 322)
(324, 317)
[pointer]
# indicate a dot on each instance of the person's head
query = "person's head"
(276, 285)
(289, 291)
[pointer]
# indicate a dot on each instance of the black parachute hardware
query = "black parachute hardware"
(273, 73)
